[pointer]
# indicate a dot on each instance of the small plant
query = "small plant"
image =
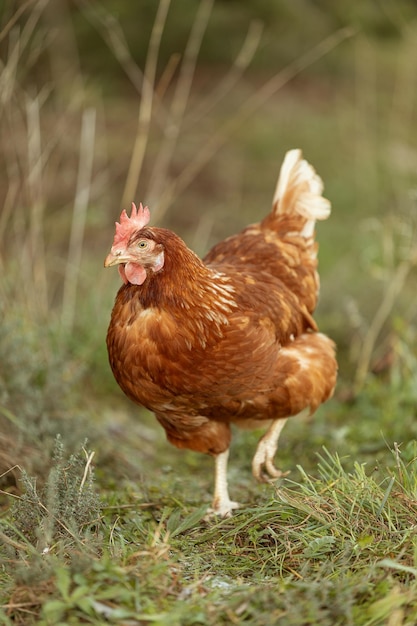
(67, 509)
(53, 529)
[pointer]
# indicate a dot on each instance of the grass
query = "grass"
(113, 530)
(340, 546)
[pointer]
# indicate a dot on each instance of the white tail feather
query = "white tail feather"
(299, 190)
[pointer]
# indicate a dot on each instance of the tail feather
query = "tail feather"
(299, 191)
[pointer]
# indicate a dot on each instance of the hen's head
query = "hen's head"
(132, 250)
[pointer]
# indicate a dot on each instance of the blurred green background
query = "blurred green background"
(190, 107)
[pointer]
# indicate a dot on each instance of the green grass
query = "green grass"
(121, 537)
(339, 546)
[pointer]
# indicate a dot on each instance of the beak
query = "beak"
(114, 259)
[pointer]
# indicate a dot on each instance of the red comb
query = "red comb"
(139, 217)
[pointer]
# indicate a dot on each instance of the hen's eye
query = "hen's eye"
(143, 244)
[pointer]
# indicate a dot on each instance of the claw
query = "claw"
(263, 467)
(271, 474)
(223, 508)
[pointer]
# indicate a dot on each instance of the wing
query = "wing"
(283, 253)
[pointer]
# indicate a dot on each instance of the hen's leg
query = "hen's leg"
(222, 504)
(265, 452)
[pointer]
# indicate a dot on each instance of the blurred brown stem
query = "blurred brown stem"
(145, 108)
(241, 63)
(82, 196)
(174, 123)
(35, 250)
(110, 30)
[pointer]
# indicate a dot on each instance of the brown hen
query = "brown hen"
(230, 339)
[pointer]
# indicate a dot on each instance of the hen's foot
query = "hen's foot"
(270, 474)
(263, 467)
(223, 508)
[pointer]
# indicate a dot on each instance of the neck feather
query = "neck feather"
(186, 288)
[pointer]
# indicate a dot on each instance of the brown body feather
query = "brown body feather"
(201, 345)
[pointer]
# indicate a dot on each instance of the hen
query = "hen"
(230, 339)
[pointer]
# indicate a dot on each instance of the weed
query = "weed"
(65, 510)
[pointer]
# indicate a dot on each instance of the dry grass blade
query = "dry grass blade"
(175, 120)
(225, 86)
(87, 469)
(145, 108)
(18, 42)
(25, 548)
(9, 202)
(36, 245)
(15, 18)
(82, 196)
(109, 28)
